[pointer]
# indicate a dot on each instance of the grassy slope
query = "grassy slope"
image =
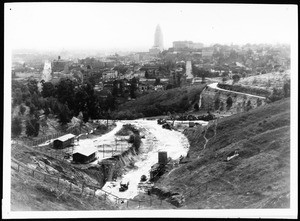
(167, 99)
(28, 193)
(31, 194)
(257, 178)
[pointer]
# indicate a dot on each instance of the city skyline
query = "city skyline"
(129, 26)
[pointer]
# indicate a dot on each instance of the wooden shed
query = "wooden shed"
(162, 157)
(85, 154)
(63, 141)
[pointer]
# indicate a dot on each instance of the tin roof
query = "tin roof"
(86, 150)
(65, 137)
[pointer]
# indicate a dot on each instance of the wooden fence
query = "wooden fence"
(83, 188)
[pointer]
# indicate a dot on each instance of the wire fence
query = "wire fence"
(73, 130)
(87, 190)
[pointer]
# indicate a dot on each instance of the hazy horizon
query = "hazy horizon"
(131, 26)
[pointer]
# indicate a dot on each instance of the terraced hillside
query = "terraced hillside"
(258, 177)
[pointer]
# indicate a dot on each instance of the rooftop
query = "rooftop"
(65, 137)
(87, 149)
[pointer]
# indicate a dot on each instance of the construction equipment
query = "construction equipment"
(123, 187)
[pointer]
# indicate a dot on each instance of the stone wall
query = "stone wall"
(218, 100)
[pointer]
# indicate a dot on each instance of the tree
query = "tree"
(33, 86)
(22, 109)
(236, 78)
(48, 89)
(276, 95)
(229, 103)
(115, 88)
(65, 92)
(196, 107)
(217, 103)
(64, 115)
(133, 87)
(287, 88)
(32, 127)
(157, 81)
(16, 127)
(248, 106)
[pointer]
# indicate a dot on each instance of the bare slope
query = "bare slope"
(257, 178)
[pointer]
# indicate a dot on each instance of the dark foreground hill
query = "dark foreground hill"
(259, 177)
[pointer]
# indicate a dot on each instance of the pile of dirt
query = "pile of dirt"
(245, 164)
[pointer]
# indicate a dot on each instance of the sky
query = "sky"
(131, 26)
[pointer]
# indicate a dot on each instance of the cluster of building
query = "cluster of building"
(146, 67)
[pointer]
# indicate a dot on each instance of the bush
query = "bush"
(22, 109)
(32, 127)
(276, 95)
(16, 127)
(127, 129)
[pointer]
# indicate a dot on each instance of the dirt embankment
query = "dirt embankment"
(256, 177)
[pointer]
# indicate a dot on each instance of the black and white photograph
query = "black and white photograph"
(150, 110)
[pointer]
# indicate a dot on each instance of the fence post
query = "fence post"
(57, 182)
(82, 188)
(18, 167)
(32, 173)
(95, 191)
(44, 177)
(70, 187)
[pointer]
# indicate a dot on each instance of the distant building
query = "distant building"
(109, 75)
(60, 66)
(154, 51)
(158, 42)
(207, 52)
(158, 39)
(179, 45)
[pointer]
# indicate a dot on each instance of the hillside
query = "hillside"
(160, 102)
(40, 193)
(258, 177)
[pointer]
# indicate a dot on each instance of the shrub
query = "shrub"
(22, 109)
(16, 127)
(32, 127)
(229, 103)
(287, 88)
(276, 95)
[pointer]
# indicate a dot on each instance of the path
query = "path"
(215, 86)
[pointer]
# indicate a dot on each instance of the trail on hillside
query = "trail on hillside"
(215, 86)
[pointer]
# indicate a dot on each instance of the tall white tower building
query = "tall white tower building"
(158, 39)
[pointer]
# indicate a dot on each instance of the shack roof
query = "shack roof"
(65, 137)
(86, 150)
